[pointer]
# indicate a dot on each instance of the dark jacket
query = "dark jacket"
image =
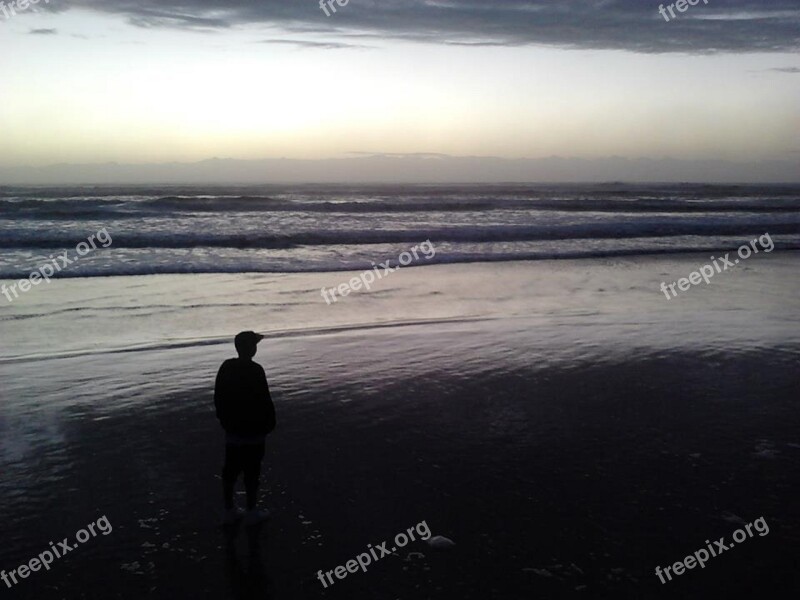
(242, 399)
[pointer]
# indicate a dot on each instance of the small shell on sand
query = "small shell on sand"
(439, 542)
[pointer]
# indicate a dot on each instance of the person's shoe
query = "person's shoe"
(256, 516)
(231, 515)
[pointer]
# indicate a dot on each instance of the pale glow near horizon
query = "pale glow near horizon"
(126, 94)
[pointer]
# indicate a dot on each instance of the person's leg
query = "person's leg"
(254, 454)
(230, 472)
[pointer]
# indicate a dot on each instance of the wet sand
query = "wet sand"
(565, 458)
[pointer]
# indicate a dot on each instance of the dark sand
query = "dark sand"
(552, 482)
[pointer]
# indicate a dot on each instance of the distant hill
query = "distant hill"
(411, 168)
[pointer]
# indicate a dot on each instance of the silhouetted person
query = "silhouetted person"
(245, 410)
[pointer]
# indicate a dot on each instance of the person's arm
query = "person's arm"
(221, 391)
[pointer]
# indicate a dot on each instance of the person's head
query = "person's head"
(247, 343)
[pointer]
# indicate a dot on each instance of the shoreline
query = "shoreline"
(633, 255)
(298, 293)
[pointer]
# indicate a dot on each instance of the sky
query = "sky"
(90, 81)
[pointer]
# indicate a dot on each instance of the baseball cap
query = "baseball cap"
(247, 339)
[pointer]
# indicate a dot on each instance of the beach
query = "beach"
(562, 422)
(408, 300)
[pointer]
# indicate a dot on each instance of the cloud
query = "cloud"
(43, 31)
(308, 44)
(734, 26)
(786, 69)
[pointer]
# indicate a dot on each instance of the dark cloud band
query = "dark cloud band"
(730, 26)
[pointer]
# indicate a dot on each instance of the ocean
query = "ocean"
(275, 229)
